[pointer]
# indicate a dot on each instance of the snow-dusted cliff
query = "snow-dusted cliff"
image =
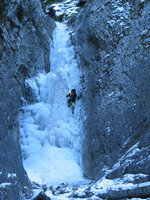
(112, 39)
(24, 48)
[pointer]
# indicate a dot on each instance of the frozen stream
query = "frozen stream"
(50, 133)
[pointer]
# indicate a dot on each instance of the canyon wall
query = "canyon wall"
(25, 33)
(112, 39)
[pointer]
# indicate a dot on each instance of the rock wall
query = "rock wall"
(112, 39)
(25, 32)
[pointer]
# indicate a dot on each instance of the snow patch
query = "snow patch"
(13, 175)
(104, 185)
(3, 185)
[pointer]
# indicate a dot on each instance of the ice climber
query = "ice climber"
(71, 99)
(51, 11)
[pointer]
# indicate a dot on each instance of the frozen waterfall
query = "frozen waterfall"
(50, 133)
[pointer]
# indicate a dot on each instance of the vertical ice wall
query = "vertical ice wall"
(50, 133)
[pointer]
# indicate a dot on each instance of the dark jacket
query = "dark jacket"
(72, 96)
(51, 11)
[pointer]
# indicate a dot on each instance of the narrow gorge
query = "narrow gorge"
(101, 48)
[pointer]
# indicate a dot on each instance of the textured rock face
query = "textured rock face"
(24, 49)
(113, 41)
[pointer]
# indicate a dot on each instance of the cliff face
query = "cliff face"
(24, 49)
(113, 41)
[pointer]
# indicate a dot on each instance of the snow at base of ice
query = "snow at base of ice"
(50, 133)
(102, 186)
(105, 185)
